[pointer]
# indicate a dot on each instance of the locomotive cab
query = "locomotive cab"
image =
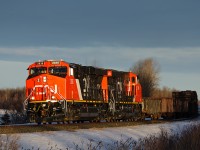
(46, 81)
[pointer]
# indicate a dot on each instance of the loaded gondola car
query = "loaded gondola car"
(182, 104)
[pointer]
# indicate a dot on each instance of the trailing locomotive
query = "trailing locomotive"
(62, 91)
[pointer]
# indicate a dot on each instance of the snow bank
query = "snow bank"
(84, 138)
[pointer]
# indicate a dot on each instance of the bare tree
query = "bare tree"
(148, 72)
(163, 92)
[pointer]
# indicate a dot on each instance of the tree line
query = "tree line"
(12, 99)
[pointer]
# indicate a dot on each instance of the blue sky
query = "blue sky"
(109, 33)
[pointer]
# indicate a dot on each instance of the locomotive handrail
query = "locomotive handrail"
(26, 100)
(112, 102)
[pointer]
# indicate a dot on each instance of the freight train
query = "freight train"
(58, 91)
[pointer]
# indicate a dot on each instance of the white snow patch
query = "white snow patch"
(91, 137)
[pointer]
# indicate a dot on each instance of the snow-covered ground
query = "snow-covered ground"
(91, 137)
(84, 138)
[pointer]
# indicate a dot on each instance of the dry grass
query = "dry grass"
(186, 140)
(9, 142)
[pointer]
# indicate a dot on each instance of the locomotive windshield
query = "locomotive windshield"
(36, 71)
(60, 71)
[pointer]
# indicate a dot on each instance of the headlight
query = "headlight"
(45, 79)
(32, 98)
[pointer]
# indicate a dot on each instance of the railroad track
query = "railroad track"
(29, 128)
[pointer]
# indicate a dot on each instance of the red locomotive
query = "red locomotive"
(62, 91)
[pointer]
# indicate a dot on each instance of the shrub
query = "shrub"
(9, 142)
(5, 119)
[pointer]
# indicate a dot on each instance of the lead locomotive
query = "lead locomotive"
(60, 91)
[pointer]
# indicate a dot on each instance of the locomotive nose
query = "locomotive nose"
(40, 93)
(37, 88)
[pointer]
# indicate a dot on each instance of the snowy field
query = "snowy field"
(84, 138)
(91, 137)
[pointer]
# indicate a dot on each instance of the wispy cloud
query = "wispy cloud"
(112, 57)
(178, 65)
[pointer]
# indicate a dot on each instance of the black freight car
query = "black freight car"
(183, 104)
